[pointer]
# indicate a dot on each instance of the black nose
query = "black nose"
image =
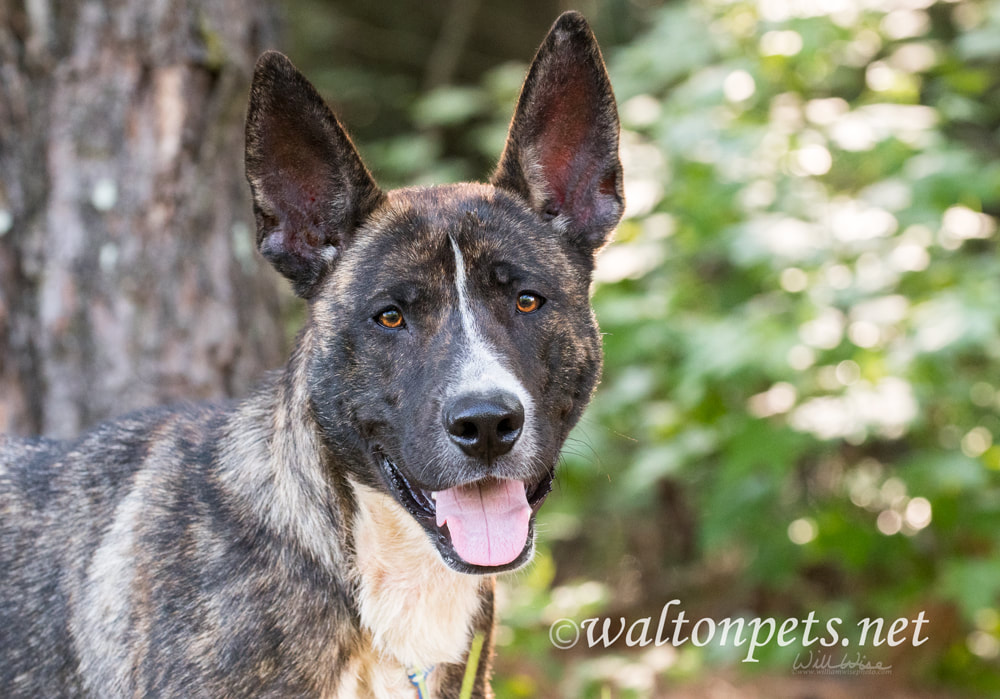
(484, 425)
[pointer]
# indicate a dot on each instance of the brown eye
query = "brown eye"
(390, 318)
(528, 302)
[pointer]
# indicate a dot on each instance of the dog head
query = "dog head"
(451, 346)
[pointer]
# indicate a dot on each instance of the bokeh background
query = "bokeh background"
(801, 317)
(801, 314)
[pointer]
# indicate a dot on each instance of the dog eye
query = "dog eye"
(391, 318)
(529, 302)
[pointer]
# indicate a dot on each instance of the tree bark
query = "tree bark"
(128, 276)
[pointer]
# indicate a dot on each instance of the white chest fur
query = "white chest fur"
(417, 610)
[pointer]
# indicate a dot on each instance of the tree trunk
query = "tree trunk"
(128, 276)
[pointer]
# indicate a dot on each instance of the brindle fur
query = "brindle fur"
(260, 548)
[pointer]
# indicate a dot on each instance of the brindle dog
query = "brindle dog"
(340, 528)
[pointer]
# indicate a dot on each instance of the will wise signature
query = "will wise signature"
(825, 663)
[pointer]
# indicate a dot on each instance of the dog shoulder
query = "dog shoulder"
(76, 514)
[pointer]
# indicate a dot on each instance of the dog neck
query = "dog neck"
(416, 609)
(276, 469)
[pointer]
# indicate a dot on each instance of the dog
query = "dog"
(337, 533)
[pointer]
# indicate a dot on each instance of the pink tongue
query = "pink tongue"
(488, 520)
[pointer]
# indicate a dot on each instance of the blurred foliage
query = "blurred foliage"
(801, 311)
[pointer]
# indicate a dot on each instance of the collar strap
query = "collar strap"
(418, 678)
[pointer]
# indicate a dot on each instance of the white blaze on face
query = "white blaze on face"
(488, 521)
(480, 369)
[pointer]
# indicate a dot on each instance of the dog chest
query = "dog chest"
(416, 610)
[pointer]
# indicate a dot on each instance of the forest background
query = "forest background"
(801, 309)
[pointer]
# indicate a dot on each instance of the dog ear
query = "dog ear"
(562, 150)
(310, 188)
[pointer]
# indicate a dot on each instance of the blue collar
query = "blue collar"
(418, 678)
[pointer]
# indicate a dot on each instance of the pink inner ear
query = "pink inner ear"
(568, 117)
(296, 184)
(302, 222)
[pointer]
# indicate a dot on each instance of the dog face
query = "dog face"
(462, 346)
(451, 346)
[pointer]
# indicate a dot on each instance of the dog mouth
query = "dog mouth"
(484, 526)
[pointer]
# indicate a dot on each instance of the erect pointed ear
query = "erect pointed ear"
(310, 188)
(562, 149)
